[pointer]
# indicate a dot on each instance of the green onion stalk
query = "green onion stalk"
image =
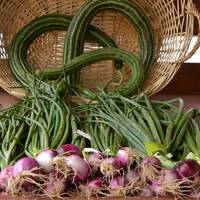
(150, 127)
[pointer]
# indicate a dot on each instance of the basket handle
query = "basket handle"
(194, 11)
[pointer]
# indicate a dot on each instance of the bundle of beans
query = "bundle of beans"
(36, 123)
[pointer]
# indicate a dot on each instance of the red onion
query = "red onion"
(73, 165)
(117, 186)
(56, 185)
(195, 194)
(93, 187)
(168, 183)
(69, 149)
(127, 156)
(55, 189)
(26, 177)
(45, 159)
(158, 187)
(110, 166)
(145, 191)
(133, 178)
(169, 174)
(149, 167)
(131, 174)
(5, 175)
(188, 169)
(151, 160)
(25, 164)
(94, 160)
(29, 187)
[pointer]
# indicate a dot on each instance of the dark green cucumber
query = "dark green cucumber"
(88, 58)
(77, 30)
(18, 49)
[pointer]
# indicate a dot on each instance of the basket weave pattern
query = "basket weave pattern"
(172, 20)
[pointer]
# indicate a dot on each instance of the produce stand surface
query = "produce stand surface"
(85, 198)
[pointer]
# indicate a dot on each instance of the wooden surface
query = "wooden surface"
(186, 81)
(82, 198)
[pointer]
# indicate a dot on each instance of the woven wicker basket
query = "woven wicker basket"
(172, 20)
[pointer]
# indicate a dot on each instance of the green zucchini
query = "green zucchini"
(88, 58)
(17, 52)
(77, 30)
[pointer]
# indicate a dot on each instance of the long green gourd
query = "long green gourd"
(92, 57)
(77, 30)
(18, 49)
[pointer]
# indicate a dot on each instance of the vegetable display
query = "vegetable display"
(63, 140)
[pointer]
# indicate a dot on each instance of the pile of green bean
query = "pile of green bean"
(12, 135)
(48, 124)
(38, 122)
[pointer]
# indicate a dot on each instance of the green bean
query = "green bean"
(82, 143)
(51, 119)
(5, 142)
(31, 132)
(182, 121)
(107, 134)
(152, 127)
(180, 111)
(45, 107)
(94, 133)
(117, 142)
(51, 127)
(57, 122)
(104, 131)
(100, 134)
(77, 141)
(28, 150)
(168, 135)
(191, 143)
(197, 134)
(179, 137)
(36, 142)
(163, 114)
(111, 139)
(155, 119)
(44, 139)
(67, 128)
(142, 122)
(14, 143)
(74, 128)
(57, 137)
(93, 141)
(13, 128)
(44, 123)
